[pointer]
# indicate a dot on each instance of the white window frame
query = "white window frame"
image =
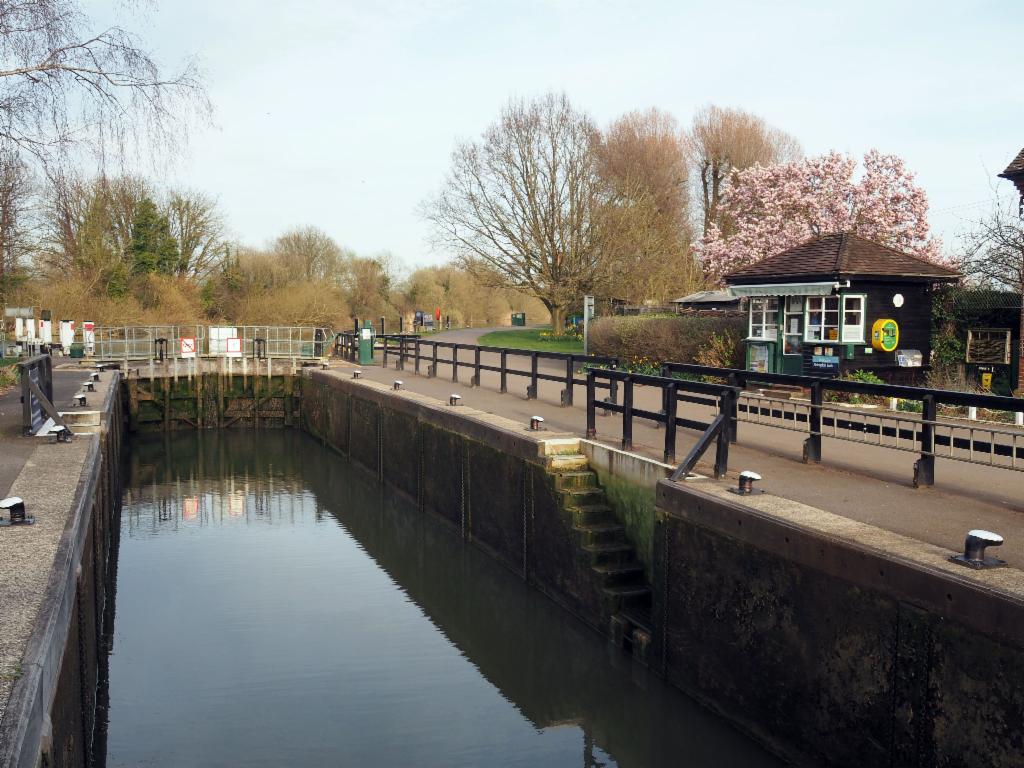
(858, 336)
(807, 319)
(788, 313)
(763, 314)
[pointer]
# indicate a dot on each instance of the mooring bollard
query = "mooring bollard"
(536, 423)
(746, 483)
(397, 384)
(357, 374)
(454, 399)
(975, 544)
(15, 508)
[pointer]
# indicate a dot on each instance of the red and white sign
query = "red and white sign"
(233, 347)
(188, 346)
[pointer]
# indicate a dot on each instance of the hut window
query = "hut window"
(853, 318)
(764, 317)
(822, 318)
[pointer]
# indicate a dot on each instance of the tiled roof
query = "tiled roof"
(841, 254)
(1016, 166)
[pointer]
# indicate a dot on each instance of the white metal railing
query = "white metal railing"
(986, 444)
(175, 342)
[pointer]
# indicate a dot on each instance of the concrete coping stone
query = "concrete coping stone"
(444, 412)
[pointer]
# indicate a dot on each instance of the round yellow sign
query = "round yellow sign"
(885, 335)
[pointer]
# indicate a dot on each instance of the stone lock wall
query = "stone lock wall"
(800, 627)
(482, 474)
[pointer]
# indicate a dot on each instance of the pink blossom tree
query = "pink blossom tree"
(775, 207)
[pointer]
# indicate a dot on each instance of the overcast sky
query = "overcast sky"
(343, 114)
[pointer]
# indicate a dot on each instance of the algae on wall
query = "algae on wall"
(634, 507)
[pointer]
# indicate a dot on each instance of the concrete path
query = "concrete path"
(868, 483)
(15, 448)
(47, 477)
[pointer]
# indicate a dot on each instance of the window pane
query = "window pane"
(851, 318)
(853, 303)
(794, 304)
(832, 318)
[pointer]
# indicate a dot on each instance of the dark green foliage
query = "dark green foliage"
(153, 248)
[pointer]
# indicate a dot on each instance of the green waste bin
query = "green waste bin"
(519, 318)
(78, 350)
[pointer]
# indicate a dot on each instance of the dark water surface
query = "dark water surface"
(275, 607)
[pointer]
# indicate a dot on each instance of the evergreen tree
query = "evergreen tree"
(154, 248)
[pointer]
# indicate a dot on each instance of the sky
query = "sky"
(343, 114)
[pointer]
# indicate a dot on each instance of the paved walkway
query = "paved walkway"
(17, 449)
(47, 477)
(868, 483)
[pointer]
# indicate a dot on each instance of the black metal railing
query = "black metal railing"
(428, 357)
(926, 432)
(922, 434)
(720, 429)
(37, 394)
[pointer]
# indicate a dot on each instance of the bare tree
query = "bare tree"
(642, 161)
(724, 140)
(310, 253)
(520, 207)
(17, 196)
(995, 258)
(198, 226)
(64, 84)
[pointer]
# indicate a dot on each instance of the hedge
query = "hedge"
(639, 341)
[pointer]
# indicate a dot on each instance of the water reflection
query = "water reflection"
(277, 607)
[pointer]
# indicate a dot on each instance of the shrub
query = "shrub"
(866, 377)
(669, 339)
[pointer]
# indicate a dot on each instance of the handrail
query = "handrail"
(37, 394)
(715, 430)
(415, 348)
(899, 391)
(930, 399)
(673, 392)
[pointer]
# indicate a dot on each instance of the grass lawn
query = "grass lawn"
(530, 339)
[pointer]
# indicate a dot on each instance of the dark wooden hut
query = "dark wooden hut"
(840, 303)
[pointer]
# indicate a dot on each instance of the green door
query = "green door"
(791, 331)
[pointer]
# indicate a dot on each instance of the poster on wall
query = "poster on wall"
(759, 358)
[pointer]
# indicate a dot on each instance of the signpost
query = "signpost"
(188, 346)
(588, 314)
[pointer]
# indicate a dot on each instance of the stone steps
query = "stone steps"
(564, 462)
(575, 479)
(600, 533)
(612, 559)
(611, 553)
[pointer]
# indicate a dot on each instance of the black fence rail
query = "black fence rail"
(419, 352)
(720, 429)
(36, 375)
(925, 434)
